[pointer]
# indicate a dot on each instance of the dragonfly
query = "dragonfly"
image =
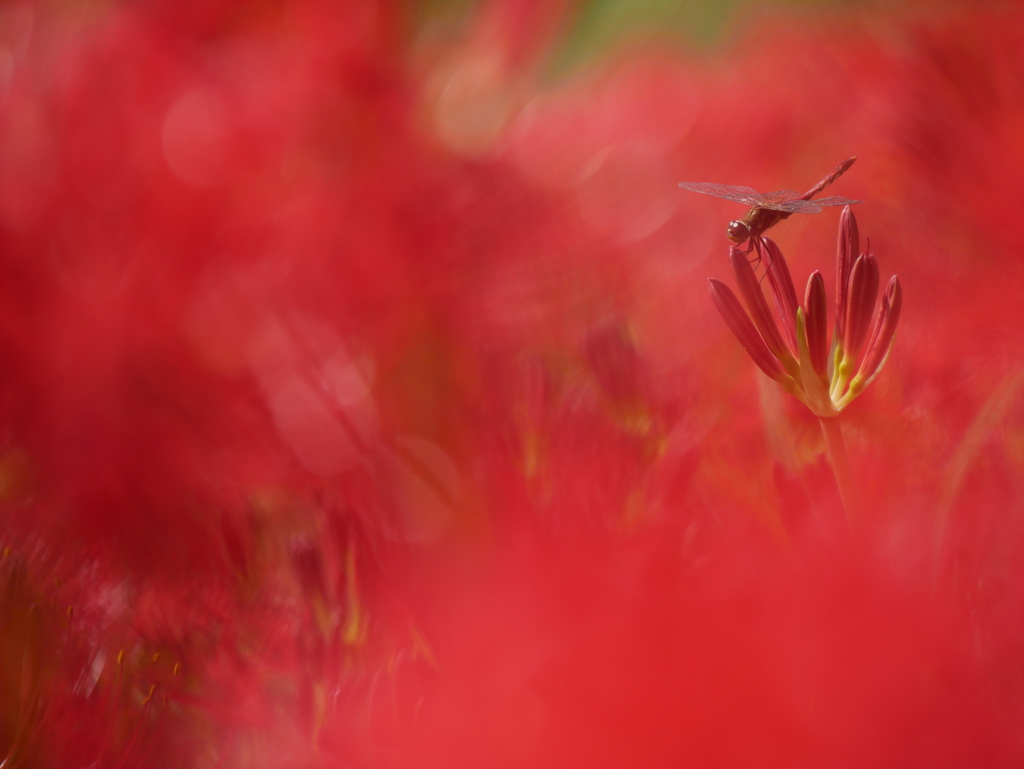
(771, 208)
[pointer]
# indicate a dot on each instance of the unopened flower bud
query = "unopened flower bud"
(884, 331)
(817, 328)
(846, 254)
(781, 282)
(739, 323)
(750, 290)
(860, 304)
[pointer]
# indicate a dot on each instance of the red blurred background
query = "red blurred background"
(362, 403)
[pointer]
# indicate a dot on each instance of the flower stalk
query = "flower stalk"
(836, 448)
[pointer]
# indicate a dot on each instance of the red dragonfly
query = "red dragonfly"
(768, 210)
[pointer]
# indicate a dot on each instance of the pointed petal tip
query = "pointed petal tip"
(848, 219)
(894, 295)
(814, 277)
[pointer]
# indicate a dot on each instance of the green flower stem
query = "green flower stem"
(833, 433)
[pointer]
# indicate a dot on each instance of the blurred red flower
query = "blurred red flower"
(361, 404)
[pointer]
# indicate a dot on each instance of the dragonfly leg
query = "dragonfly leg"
(760, 259)
(756, 261)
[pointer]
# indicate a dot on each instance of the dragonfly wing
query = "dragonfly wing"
(835, 200)
(788, 201)
(779, 196)
(729, 192)
(795, 206)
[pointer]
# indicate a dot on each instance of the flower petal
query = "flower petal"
(860, 305)
(884, 331)
(739, 323)
(753, 297)
(816, 391)
(846, 253)
(781, 282)
(817, 319)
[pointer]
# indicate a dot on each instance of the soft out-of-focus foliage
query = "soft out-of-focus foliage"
(362, 403)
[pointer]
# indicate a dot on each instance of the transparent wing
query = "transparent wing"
(779, 196)
(835, 200)
(781, 203)
(729, 192)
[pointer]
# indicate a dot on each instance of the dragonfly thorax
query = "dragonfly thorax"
(754, 223)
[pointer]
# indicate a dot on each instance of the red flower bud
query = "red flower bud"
(860, 304)
(739, 323)
(817, 320)
(884, 330)
(750, 290)
(847, 250)
(781, 282)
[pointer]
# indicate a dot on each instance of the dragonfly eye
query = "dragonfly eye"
(738, 232)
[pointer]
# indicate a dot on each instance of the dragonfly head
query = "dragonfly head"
(738, 231)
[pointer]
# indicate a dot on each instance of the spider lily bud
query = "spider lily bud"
(815, 313)
(825, 389)
(781, 283)
(739, 323)
(881, 336)
(860, 303)
(753, 297)
(846, 253)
